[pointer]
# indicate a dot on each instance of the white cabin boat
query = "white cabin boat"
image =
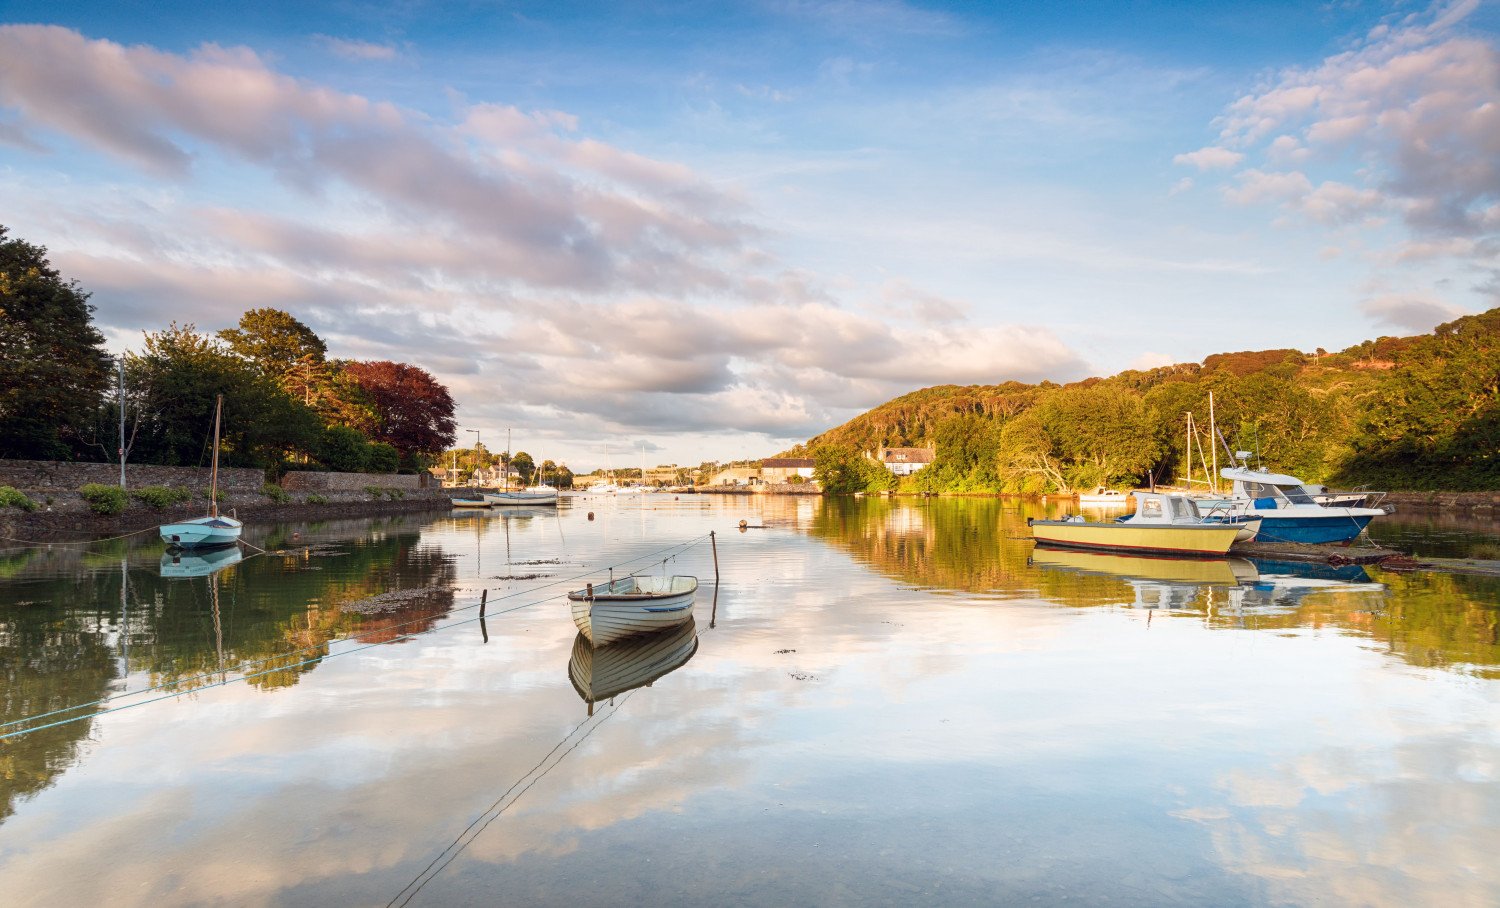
(632, 605)
(1102, 497)
(1289, 510)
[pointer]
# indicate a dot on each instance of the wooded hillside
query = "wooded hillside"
(1398, 412)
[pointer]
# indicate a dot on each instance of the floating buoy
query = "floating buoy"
(744, 523)
(591, 515)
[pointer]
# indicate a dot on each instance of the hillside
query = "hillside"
(1417, 412)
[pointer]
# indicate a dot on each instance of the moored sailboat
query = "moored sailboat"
(214, 529)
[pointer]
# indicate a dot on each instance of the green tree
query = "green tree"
(344, 450)
(525, 466)
(53, 367)
(175, 380)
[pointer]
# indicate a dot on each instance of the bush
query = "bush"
(395, 494)
(382, 458)
(317, 499)
(159, 497)
(343, 450)
(274, 492)
(104, 500)
(14, 498)
(374, 491)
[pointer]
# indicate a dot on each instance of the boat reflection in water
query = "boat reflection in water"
(199, 563)
(1226, 586)
(601, 672)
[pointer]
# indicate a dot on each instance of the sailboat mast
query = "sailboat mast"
(1213, 431)
(213, 482)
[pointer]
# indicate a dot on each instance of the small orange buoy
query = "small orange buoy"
(591, 515)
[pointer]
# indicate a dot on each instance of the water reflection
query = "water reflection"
(602, 672)
(95, 627)
(981, 546)
(199, 563)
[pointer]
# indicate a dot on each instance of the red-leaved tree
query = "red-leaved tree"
(414, 411)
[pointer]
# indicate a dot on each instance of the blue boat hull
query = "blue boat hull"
(1311, 530)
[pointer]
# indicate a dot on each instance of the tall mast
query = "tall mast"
(213, 483)
(1213, 429)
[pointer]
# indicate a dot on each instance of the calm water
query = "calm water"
(889, 703)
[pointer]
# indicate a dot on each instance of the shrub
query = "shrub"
(316, 499)
(374, 491)
(274, 492)
(105, 500)
(395, 494)
(217, 496)
(159, 497)
(343, 449)
(14, 498)
(381, 458)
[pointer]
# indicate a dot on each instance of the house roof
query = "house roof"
(788, 462)
(908, 455)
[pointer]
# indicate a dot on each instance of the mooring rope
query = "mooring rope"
(354, 637)
(33, 542)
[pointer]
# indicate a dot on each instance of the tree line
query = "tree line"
(286, 404)
(1412, 413)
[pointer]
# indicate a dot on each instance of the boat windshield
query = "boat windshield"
(1294, 494)
(1183, 509)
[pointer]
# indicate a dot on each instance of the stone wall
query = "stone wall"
(1448, 501)
(311, 481)
(57, 476)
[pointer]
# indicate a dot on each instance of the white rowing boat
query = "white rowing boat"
(632, 605)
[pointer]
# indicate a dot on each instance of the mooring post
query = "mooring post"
(484, 598)
(714, 541)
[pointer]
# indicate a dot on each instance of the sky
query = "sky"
(688, 231)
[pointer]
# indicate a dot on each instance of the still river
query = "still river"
(889, 702)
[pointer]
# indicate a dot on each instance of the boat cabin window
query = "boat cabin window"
(1151, 507)
(1183, 509)
(1294, 494)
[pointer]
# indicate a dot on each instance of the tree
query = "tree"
(174, 383)
(413, 411)
(292, 355)
(53, 367)
(344, 450)
(524, 465)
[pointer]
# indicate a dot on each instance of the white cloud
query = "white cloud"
(356, 50)
(1413, 314)
(1211, 158)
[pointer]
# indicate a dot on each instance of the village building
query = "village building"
(782, 469)
(905, 461)
(736, 476)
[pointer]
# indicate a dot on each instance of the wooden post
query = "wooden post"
(484, 598)
(713, 540)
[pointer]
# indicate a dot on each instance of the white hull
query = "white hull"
(469, 502)
(632, 605)
(202, 533)
(536, 497)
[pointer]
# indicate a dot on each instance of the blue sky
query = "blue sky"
(715, 230)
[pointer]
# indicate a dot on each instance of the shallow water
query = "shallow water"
(889, 702)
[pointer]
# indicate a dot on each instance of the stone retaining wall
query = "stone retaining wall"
(57, 476)
(1450, 501)
(310, 481)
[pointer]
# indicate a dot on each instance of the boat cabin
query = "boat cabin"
(1163, 507)
(1267, 490)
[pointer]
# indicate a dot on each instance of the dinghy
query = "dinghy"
(632, 605)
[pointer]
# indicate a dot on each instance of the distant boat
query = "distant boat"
(538, 496)
(1103, 496)
(213, 530)
(469, 502)
(1163, 523)
(601, 672)
(632, 605)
